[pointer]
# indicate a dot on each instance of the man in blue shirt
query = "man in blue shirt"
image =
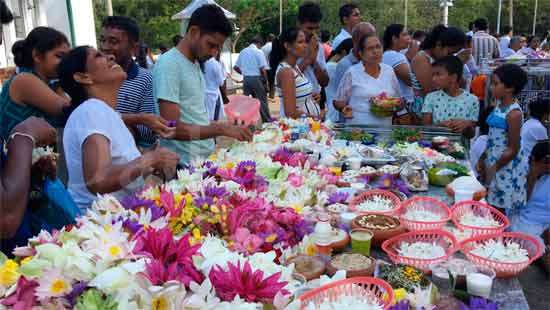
(15, 180)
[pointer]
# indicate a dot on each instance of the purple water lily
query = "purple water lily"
(281, 155)
(337, 197)
(133, 226)
(133, 202)
(479, 304)
(215, 191)
(78, 289)
(390, 182)
(204, 200)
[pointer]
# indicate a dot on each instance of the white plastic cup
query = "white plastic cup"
(479, 281)
(461, 195)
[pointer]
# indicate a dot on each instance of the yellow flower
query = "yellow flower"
(58, 286)
(114, 250)
(400, 294)
(26, 260)
(230, 165)
(336, 170)
(177, 199)
(214, 209)
(188, 199)
(315, 126)
(159, 303)
(311, 249)
(213, 157)
(271, 238)
(196, 234)
(8, 273)
(298, 208)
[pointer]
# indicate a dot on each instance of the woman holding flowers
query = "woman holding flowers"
(366, 80)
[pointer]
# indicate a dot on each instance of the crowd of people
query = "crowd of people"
(123, 116)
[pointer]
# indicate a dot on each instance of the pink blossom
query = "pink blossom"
(24, 297)
(295, 180)
(251, 286)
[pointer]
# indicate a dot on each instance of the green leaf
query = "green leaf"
(95, 300)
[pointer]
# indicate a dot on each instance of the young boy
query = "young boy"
(450, 106)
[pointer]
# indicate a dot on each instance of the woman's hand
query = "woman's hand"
(42, 132)
(316, 97)
(347, 111)
(163, 161)
(159, 125)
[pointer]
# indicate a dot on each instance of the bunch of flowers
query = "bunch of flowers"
(256, 225)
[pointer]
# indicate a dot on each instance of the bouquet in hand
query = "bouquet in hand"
(384, 106)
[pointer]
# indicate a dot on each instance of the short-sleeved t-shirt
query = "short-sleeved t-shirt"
(96, 117)
(532, 132)
(394, 59)
(444, 107)
(178, 80)
(309, 72)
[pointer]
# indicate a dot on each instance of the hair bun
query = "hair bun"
(18, 50)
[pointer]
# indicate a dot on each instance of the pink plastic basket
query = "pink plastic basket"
(243, 110)
(503, 270)
(365, 288)
(442, 238)
(427, 204)
(481, 209)
(376, 192)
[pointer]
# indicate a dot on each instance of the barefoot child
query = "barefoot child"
(503, 166)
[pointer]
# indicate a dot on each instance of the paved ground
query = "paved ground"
(536, 287)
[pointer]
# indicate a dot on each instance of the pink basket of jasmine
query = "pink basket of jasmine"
(363, 288)
(482, 210)
(426, 206)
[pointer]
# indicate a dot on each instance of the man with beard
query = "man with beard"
(179, 87)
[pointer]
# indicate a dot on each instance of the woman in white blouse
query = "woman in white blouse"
(363, 81)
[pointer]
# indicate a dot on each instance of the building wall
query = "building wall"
(52, 13)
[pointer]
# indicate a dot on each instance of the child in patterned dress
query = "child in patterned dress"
(450, 106)
(503, 167)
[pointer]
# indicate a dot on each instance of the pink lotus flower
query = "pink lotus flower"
(248, 285)
(24, 297)
(159, 273)
(295, 180)
(245, 242)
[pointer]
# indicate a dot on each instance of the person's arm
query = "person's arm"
(285, 78)
(186, 132)
(16, 174)
(423, 72)
(102, 176)
(403, 73)
(41, 96)
(237, 69)
(343, 93)
(146, 124)
(427, 119)
(514, 120)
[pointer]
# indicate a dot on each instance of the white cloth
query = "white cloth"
(470, 33)
(266, 49)
(341, 68)
(394, 59)
(478, 148)
(309, 72)
(251, 61)
(332, 113)
(340, 37)
(96, 117)
(532, 132)
(357, 88)
(508, 52)
(504, 42)
(150, 63)
(214, 77)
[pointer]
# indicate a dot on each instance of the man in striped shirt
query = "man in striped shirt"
(483, 44)
(120, 38)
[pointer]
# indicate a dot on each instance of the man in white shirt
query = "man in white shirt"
(505, 39)
(513, 48)
(470, 33)
(270, 72)
(252, 65)
(359, 31)
(350, 15)
(313, 65)
(484, 44)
